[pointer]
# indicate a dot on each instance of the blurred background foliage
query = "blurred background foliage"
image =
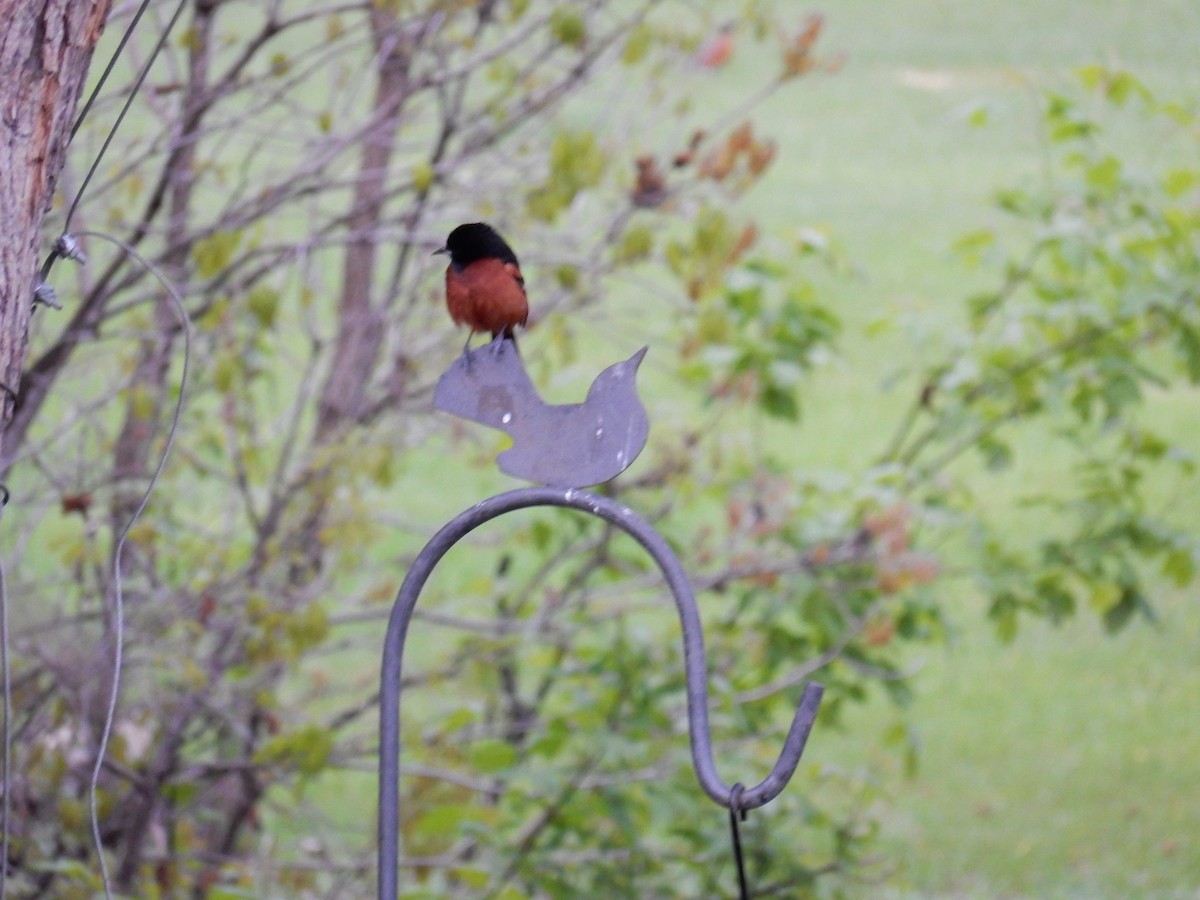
(856, 442)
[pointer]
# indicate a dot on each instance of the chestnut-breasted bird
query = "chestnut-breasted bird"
(484, 287)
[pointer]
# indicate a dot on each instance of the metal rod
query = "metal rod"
(695, 666)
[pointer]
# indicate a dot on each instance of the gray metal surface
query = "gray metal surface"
(694, 664)
(569, 445)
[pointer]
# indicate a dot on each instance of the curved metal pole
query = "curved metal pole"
(693, 656)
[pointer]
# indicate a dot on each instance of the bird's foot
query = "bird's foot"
(497, 344)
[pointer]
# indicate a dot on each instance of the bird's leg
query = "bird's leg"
(466, 354)
(497, 345)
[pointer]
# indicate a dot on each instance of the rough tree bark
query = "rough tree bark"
(45, 50)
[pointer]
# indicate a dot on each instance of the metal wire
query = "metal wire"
(57, 251)
(736, 813)
(137, 86)
(118, 589)
(693, 656)
(112, 61)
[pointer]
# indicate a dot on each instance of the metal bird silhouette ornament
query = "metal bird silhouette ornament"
(571, 445)
(568, 445)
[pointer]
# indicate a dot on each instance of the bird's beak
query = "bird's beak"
(441, 250)
(636, 359)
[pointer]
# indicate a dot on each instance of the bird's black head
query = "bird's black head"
(477, 240)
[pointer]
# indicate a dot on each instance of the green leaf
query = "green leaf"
(263, 304)
(1014, 201)
(1121, 86)
(636, 243)
(180, 792)
(577, 162)
(972, 244)
(904, 736)
(492, 755)
(307, 627)
(1105, 596)
(1058, 602)
(214, 253)
(1177, 182)
(422, 174)
(779, 402)
(1104, 175)
(997, 455)
(1091, 76)
(1189, 347)
(459, 718)
(542, 533)
(567, 277)
(1003, 613)
(1120, 614)
(473, 878)
(747, 300)
(307, 749)
(568, 27)
(1119, 391)
(1180, 566)
(443, 821)
(637, 44)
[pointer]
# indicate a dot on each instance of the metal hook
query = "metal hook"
(693, 655)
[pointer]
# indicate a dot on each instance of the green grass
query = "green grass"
(1065, 764)
(1062, 765)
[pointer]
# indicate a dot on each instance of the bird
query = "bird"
(484, 287)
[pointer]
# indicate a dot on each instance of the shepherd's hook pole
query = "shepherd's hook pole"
(693, 656)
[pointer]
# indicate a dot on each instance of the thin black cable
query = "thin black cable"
(736, 813)
(129, 100)
(112, 62)
(137, 86)
(118, 589)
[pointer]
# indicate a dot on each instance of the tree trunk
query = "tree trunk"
(361, 322)
(132, 461)
(45, 49)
